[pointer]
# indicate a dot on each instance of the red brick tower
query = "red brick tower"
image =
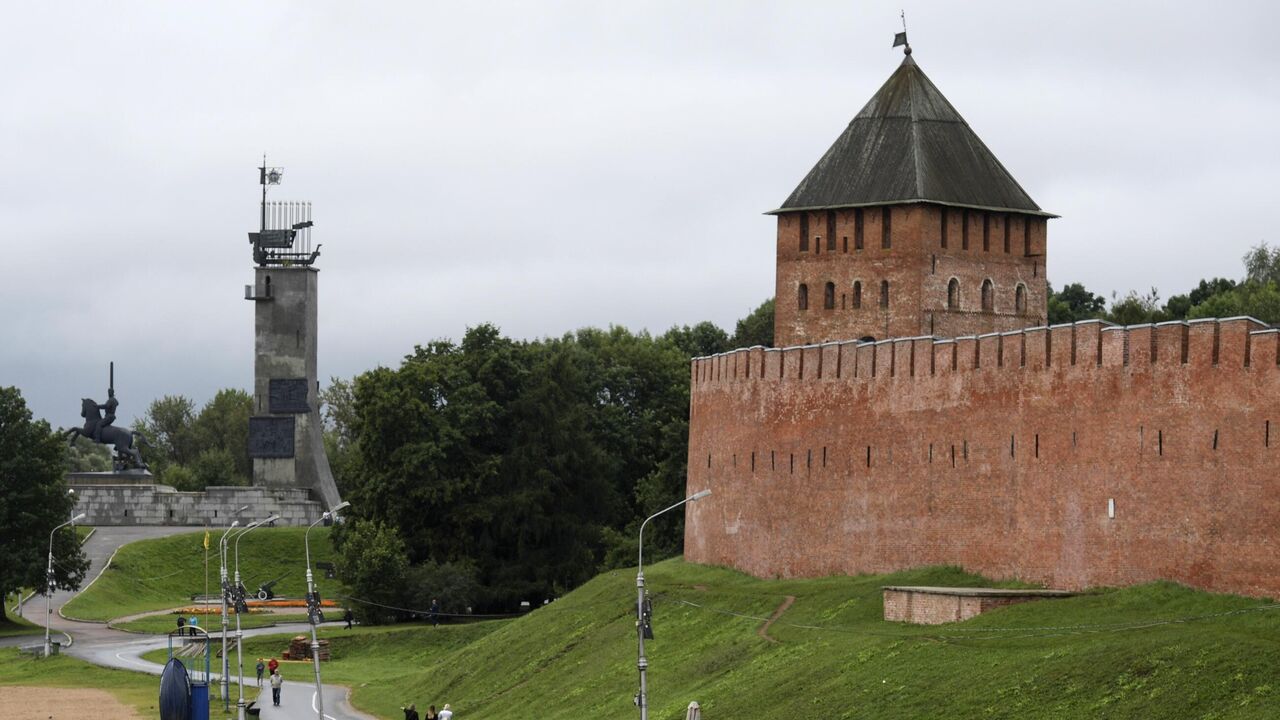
(908, 226)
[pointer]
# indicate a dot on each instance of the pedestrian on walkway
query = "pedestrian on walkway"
(410, 712)
(446, 713)
(182, 626)
(348, 617)
(435, 612)
(276, 682)
(272, 664)
(260, 668)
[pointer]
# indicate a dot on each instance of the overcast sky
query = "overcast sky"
(547, 166)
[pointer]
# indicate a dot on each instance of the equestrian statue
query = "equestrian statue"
(102, 430)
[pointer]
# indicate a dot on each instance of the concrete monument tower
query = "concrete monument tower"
(285, 439)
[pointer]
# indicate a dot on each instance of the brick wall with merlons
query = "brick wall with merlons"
(1076, 456)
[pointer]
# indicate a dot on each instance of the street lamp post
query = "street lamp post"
(48, 583)
(239, 634)
(222, 578)
(642, 699)
(313, 606)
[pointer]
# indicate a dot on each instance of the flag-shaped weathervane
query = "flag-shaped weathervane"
(901, 38)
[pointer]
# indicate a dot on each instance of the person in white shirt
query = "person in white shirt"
(446, 713)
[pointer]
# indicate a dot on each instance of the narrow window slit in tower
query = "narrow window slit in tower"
(793, 463)
(1037, 445)
(1266, 434)
(986, 232)
(735, 459)
(1073, 438)
(804, 232)
(753, 461)
(857, 228)
(824, 456)
(708, 459)
(965, 446)
(1215, 439)
(831, 231)
(953, 456)
(868, 456)
(1007, 221)
(943, 234)
(1010, 446)
(808, 462)
(773, 460)
(931, 452)
(886, 228)
(1160, 442)
(964, 230)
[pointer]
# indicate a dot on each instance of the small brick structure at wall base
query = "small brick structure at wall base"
(924, 605)
(1072, 456)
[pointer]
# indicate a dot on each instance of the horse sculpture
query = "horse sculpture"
(127, 454)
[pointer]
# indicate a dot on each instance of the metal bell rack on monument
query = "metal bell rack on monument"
(284, 232)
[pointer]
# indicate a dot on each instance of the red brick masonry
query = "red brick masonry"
(1074, 456)
(936, 605)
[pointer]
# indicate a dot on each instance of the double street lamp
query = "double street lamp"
(48, 583)
(241, 607)
(222, 579)
(313, 606)
(642, 614)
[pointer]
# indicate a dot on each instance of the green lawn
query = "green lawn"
(11, 625)
(165, 572)
(139, 690)
(161, 624)
(835, 657)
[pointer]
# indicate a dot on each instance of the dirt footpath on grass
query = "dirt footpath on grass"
(32, 703)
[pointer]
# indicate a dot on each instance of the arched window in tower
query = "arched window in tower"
(829, 296)
(884, 294)
(857, 294)
(1020, 299)
(953, 294)
(802, 297)
(988, 296)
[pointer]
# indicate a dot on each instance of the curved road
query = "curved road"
(102, 645)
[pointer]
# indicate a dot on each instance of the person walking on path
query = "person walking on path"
(276, 682)
(182, 626)
(348, 617)
(260, 668)
(435, 612)
(272, 664)
(446, 713)
(410, 712)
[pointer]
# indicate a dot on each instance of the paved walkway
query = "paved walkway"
(102, 645)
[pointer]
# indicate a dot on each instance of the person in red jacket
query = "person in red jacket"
(272, 664)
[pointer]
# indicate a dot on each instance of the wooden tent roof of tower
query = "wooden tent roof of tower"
(907, 145)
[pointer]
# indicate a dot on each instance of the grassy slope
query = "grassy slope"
(166, 572)
(12, 625)
(576, 658)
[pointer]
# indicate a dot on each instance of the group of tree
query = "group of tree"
(33, 501)
(491, 471)
(1257, 295)
(190, 450)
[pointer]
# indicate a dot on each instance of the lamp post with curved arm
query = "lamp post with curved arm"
(313, 605)
(642, 699)
(240, 711)
(48, 583)
(222, 579)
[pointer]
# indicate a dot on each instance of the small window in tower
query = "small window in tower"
(829, 296)
(1008, 220)
(953, 294)
(988, 296)
(831, 231)
(804, 232)
(1026, 237)
(857, 294)
(986, 232)
(817, 245)
(857, 228)
(964, 230)
(844, 245)
(886, 228)
(802, 299)
(1020, 299)
(943, 228)
(884, 294)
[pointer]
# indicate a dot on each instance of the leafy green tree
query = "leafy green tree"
(1074, 303)
(216, 466)
(454, 585)
(33, 501)
(1262, 264)
(179, 477)
(705, 338)
(756, 328)
(1257, 300)
(223, 427)
(167, 424)
(1136, 309)
(337, 403)
(372, 563)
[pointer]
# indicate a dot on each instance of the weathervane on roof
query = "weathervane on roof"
(901, 38)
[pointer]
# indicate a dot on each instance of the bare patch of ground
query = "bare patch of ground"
(49, 703)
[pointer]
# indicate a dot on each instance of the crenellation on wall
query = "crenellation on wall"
(1141, 342)
(1035, 348)
(1233, 340)
(1170, 343)
(882, 367)
(1062, 345)
(829, 361)
(1265, 348)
